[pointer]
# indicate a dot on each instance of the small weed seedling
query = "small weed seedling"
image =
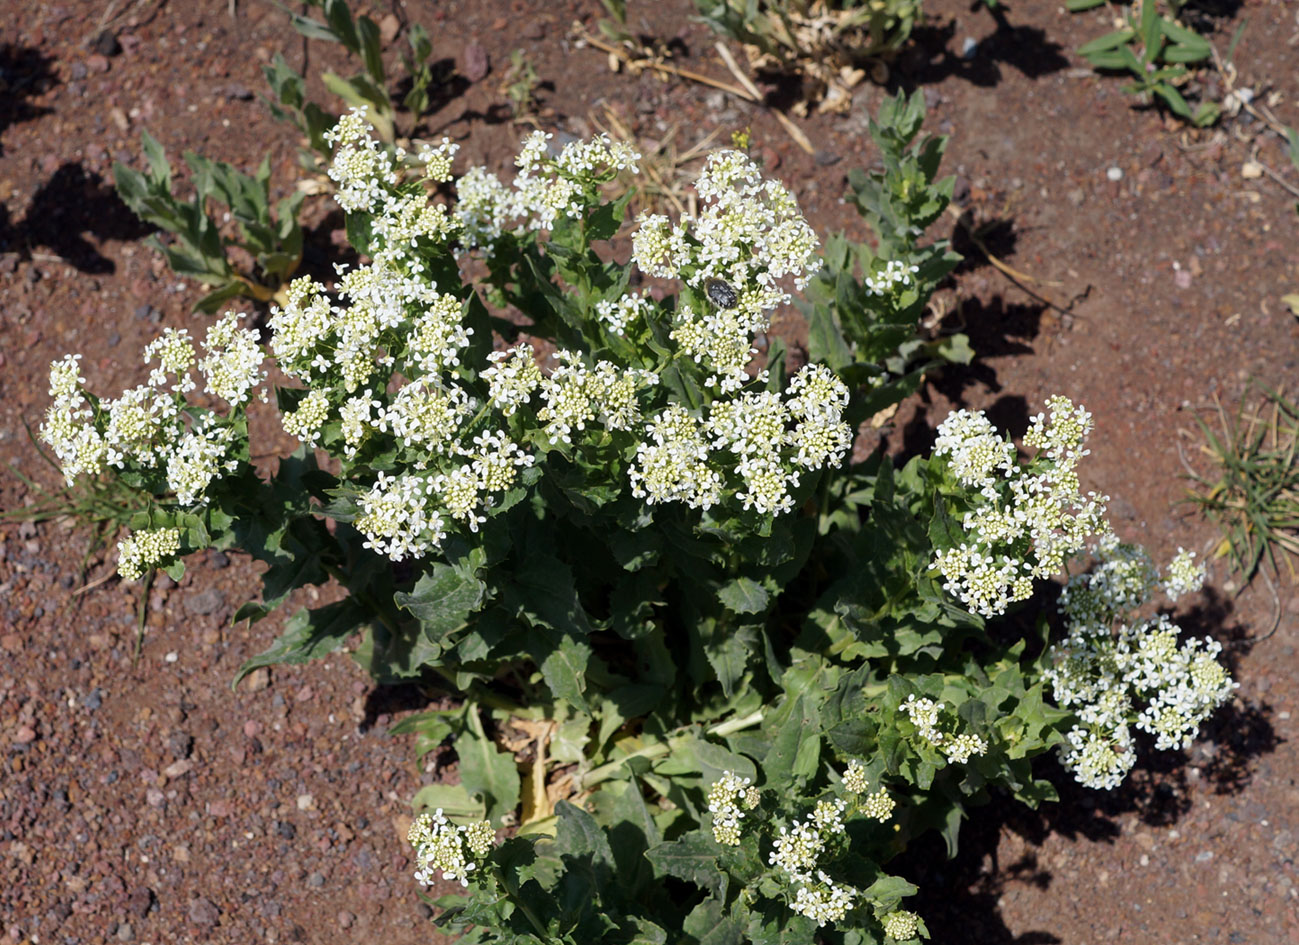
(1156, 50)
(1253, 493)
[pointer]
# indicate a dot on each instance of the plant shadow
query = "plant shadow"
(1025, 49)
(23, 72)
(69, 205)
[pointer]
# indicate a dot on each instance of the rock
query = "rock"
(78, 71)
(25, 735)
(389, 27)
(178, 768)
(180, 744)
(97, 63)
(316, 880)
(306, 802)
(252, 728)
(258, 679)
(142, 901)
(218, 559)
(11, 642)
(106, 44)
(826, 158)
(205, 602)
(1115, 174)
(476, 64)
(94, 699)
(203, 913)
(124, 932)
(286, 829)
(345, 919)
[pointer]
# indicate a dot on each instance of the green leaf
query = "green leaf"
(309, 635)
(1078, 6)
(744, 596)
(443, 600)
(1106, 43)
(453, 799)
(486, 772)
(692, 858)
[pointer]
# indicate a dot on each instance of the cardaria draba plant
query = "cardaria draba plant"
(596, 514)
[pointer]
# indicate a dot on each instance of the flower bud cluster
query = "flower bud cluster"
(725, 798)
(1111, 663)
(144, 550)
(901, 925)
(453, 849)
(1027, 520)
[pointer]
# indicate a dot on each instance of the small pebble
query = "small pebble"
(969, 47)
(1115, 174)
(345, 919)
(306, 802)
(316, 880)
(171, 657)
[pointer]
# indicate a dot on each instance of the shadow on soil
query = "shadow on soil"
(959, 897)
(936, 54)
(71, 204)
(23, 73)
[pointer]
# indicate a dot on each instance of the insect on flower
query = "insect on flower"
(722, 294)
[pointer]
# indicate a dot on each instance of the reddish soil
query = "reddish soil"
(142, 800)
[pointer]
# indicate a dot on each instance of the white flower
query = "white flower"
(437, 159)
(144, 550)
(824, 902)
(1184, 575)
(397, 518)
(724, 799)
(901, 925)
(233, 363)
(455, 850)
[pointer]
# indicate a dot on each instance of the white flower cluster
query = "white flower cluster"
(143, 550)
(362, 168)
(1110, 663)
(797, 853)
(619, 314)
(545, 189)
(925, 715)
(877, 806)
(724, 800)
(756, 436)
(901, 925)
(152, 426)
(748, 235)
(234, 358)
(575, 395)
(437, 159)
(454, 849)
(1027, 520)
(892, 278)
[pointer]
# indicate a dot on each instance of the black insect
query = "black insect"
(722, 294)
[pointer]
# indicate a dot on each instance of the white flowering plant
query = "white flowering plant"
(750, 668)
